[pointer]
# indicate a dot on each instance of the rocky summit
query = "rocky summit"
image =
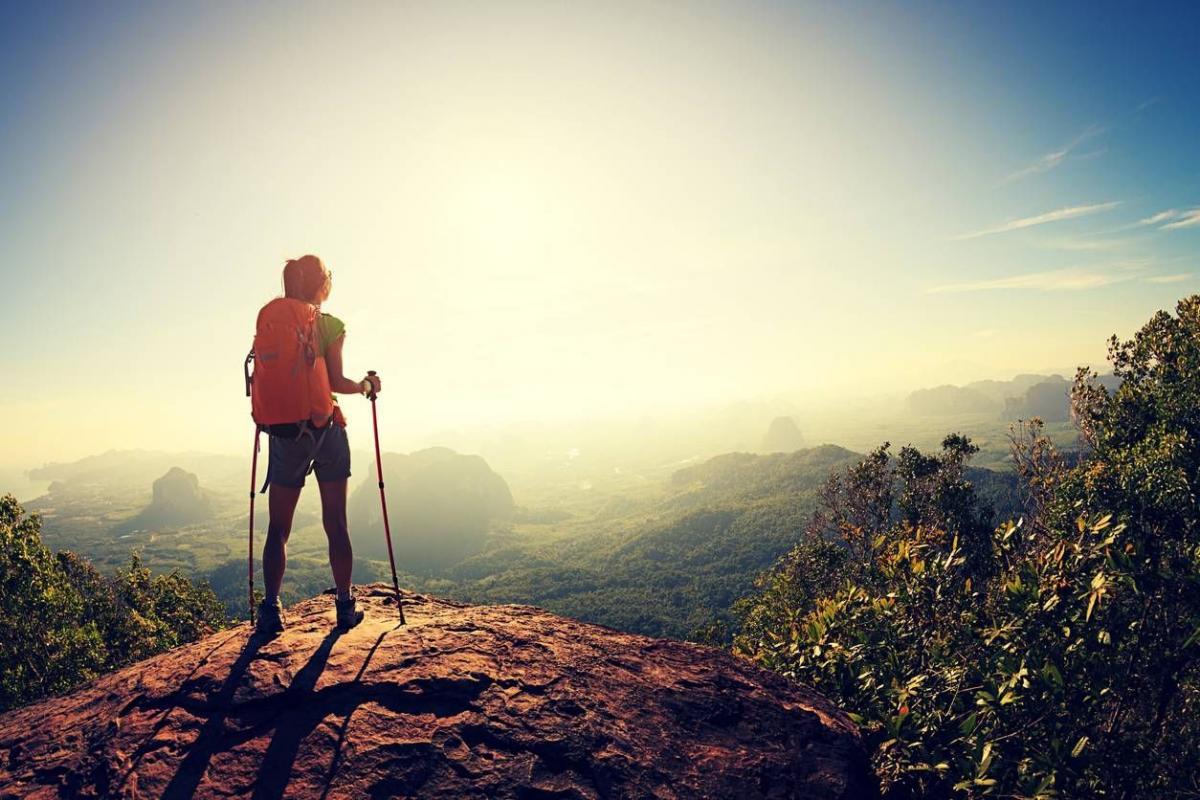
(462, 702)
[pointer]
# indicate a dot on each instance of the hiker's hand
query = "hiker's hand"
(375, 384)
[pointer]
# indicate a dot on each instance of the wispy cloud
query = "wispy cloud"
(1182, 276)
(1070, 212)
(1160, 217)
(1052, 159)
(1171, 219)
(1058, 280)
(1185, 219)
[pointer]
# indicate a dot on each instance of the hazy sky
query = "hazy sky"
(556, 210)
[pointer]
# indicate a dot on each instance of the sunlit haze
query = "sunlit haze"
(558, 211)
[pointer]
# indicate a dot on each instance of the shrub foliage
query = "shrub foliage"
(65, 623)
(1055, 655)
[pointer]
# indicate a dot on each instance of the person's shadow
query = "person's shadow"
(293, 715)
(212, 737)
(173, 702)
(304, 714)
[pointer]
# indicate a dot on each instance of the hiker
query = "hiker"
(297, 360)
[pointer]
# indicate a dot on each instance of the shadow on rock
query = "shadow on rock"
(212, 737)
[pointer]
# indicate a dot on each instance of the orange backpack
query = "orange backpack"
(290, 382)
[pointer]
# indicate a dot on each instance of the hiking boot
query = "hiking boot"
(270, 618)
(347, 614)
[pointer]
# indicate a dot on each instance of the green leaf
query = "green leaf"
(1053, 675)
(1192, 639)
(984, 762)
(1078, 748)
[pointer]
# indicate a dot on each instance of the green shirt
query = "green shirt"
(329, 329)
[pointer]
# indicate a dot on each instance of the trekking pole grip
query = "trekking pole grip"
(371, 396)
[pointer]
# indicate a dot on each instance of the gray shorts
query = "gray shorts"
(290, 457)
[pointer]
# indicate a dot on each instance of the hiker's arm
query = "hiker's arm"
(337, 381)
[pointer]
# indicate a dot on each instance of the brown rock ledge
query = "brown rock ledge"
(464, 702)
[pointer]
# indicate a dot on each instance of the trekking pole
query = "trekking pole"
(250, 559)
(387, 531)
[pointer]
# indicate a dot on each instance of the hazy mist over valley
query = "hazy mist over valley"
(569, 502)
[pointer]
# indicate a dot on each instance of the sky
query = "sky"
(551, 211)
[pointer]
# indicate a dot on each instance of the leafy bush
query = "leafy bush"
(1057, 655)
(65, 623)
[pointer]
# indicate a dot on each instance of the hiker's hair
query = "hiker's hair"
(305, 278)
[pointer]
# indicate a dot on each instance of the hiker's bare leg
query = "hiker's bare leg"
(333, 514)
(282, 502)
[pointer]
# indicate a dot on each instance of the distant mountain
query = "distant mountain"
(1000, 391)
(733, 476)
(177, 500)
(783, 436)
(671, 562)
(1049, 400)
(125, 467)
(1025, 396)
(945, 400)
(440, 505)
